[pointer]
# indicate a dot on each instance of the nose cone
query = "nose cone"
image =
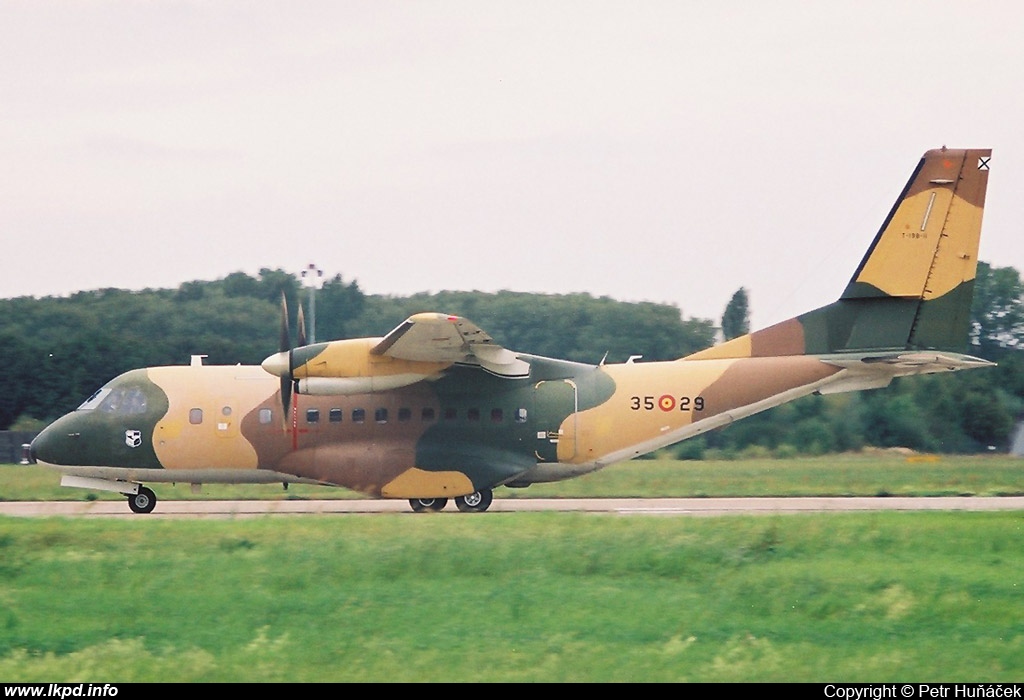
(277, 364)
(97, 439)
(57, 444)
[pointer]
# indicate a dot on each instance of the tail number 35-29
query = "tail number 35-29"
(666, 402)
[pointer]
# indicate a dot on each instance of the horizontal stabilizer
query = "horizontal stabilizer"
(878, 370)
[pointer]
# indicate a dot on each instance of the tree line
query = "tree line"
(60, 349)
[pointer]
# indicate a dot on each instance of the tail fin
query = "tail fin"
(913, 289)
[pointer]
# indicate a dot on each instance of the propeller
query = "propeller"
(282, 364)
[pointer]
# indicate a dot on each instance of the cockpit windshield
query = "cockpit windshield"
(123, 400)
(94, 400)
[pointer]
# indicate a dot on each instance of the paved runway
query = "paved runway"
(620, 506)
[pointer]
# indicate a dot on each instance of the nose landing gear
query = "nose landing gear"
(140, 498)
(142, 502)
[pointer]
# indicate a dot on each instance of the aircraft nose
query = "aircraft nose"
(54, 444)
(38, 447)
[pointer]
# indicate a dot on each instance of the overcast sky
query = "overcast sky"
(661, 151)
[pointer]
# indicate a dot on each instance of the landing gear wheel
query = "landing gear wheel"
(476, 502)
(428, 505)
(142, 502)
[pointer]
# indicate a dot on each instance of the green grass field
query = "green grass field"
(515, 597)
(531, 596)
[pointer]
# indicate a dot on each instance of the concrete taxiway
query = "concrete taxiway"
(620, 506)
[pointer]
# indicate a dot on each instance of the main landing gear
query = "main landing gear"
(476, 502)
(428, 505)
(142, 502)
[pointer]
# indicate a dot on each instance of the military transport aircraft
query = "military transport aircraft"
(437, 410)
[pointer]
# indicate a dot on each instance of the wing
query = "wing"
(433, 337)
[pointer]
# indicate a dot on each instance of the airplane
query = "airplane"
(437, 410)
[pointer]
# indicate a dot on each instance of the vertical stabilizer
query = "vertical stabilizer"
(925, 256)
(913, 289)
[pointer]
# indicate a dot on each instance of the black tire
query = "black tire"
(476, 502)
(428, 505)
(142, 502)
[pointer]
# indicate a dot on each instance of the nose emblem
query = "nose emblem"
(133, 438)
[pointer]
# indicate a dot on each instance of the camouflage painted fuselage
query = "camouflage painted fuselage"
(436, 409)
(466, 431)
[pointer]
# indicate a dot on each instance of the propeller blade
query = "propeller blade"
(301, 323)
(286, 397)
(285, 346)
(285, 342)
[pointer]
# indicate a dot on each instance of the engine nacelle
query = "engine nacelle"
(348, 367)
(346, 386)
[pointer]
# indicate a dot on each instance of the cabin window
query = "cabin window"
(381, 415)
(359, 415)
(266, 416)
(195, 416)
(312, 415)
(450, 413)
(404, 415)
(520, 415)
(335, 415)
(427, 415)
(473, 415)
(497, 415)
